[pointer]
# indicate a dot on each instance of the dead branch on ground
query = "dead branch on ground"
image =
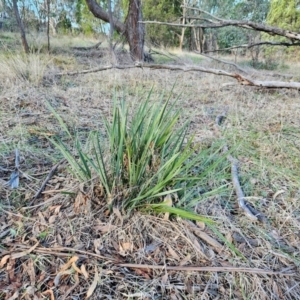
(223, 61)
(243, 80)
(52, 171)
(206, 269)
(87, 48)
(59, 251)
(250, 212)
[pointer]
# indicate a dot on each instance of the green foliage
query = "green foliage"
(88, 24)
(144, 156)
(285, 14)
(65, 24)
(255, 11)
(166, 11)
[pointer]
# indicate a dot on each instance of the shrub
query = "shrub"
(143, 157)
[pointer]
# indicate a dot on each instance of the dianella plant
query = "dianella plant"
(141, 158)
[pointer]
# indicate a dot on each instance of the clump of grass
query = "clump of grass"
(144, 156)
(29, 68)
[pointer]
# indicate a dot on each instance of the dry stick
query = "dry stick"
(243, 80)
(248, 46)
(237, 187)
(206, 269)
(22, 216)
(103, 68)
(224, 62)
(56, 250)
(251, 213)
(52, 171)
(87, 48)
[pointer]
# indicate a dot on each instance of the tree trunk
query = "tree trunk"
(21, 26)
(111, 34)
(201, 40)
(48, 25)
(133, 30)
(53, 25)
(181, 39)
(196, 39)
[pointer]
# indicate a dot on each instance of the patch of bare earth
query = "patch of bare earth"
(67, 245)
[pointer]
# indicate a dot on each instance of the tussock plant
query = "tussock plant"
(29, 68)
(143, 157)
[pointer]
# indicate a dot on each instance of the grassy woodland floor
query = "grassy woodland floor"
(262, 130)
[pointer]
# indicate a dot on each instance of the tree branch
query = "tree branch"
(224, 62)
(100, 13)
(243, 80)
(244, 24)
(248, 46)
(203, 11)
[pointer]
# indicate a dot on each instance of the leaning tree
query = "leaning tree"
(131, 28)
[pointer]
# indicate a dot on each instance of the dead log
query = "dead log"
(243, 80)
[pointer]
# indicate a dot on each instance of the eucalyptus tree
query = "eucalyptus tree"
(21, 26)
(131, 27)
(285, 14)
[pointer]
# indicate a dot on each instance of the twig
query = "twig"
(206, 269)
(68, 291)
(61, 250)
(43, 203)
(109, 67)
(223, 61)
(4, 233)
(202, 11)
(22, 216)
(52, 171)
(251, 213)
(17, 158)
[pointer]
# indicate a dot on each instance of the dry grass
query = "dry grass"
(262, 128)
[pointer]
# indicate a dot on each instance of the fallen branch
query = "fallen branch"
(243, 80)
(60, 251)
(104, 68)
(87, 48)
(223, 61)
(250, 212)
(206, 269)
(52, 171)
